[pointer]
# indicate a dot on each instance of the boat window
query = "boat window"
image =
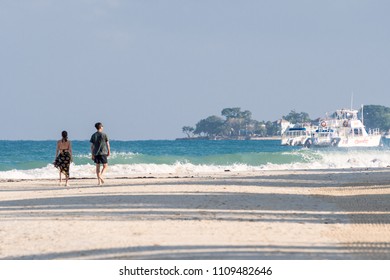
(295, 133)
(357, 131)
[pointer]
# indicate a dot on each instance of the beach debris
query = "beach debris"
(352, 160)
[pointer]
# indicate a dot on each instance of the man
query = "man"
(100, 150)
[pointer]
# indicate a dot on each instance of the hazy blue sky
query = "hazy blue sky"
(146, 68)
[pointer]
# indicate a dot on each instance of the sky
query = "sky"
(145, 69)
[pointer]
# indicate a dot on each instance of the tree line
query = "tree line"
(237, 124)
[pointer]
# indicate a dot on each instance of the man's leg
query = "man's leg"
(98, 172)
(103, 170)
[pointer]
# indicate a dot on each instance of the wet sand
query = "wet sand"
(312, 214)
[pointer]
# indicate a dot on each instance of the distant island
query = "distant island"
(235, 124)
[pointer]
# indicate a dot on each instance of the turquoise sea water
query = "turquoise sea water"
(33, 159)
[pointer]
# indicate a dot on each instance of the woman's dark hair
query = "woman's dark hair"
(98, 125)
(64, 136)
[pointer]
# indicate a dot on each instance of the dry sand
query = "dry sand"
(316, 214)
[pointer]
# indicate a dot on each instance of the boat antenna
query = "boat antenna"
(352, 100)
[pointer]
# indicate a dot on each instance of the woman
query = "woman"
(63, 156)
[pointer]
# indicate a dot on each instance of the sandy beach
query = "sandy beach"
(307, 214)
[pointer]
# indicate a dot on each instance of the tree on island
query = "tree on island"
(188, 130)
(235, 113)
(376, 116)
(295, 117)
(212, 126)
(235, 124)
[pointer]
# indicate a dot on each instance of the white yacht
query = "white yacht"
(344, 129)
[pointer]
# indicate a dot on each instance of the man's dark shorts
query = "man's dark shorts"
(100, 159)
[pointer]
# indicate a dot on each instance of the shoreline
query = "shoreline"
(209, 174)
(299, 214)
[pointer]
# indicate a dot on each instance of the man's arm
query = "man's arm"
(108, 148)
(92, 148)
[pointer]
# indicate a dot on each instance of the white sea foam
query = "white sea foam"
(325, 159)
(311, 159)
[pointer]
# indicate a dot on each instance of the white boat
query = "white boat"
(297, 135)
(344, 129)
(324, 136)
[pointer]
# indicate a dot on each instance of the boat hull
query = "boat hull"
(297, 141)
(364, 141)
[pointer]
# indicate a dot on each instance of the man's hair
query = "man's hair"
(98, 125)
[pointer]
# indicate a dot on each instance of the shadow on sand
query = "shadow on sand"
(355, 251)
(224, 206)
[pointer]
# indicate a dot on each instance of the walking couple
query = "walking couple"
(100, 150)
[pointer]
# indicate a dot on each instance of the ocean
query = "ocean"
(33, 159)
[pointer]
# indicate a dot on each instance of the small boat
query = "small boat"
(344, 129)
(297, 135)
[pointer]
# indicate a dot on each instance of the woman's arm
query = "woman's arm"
(70, 151)
(57, 149)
